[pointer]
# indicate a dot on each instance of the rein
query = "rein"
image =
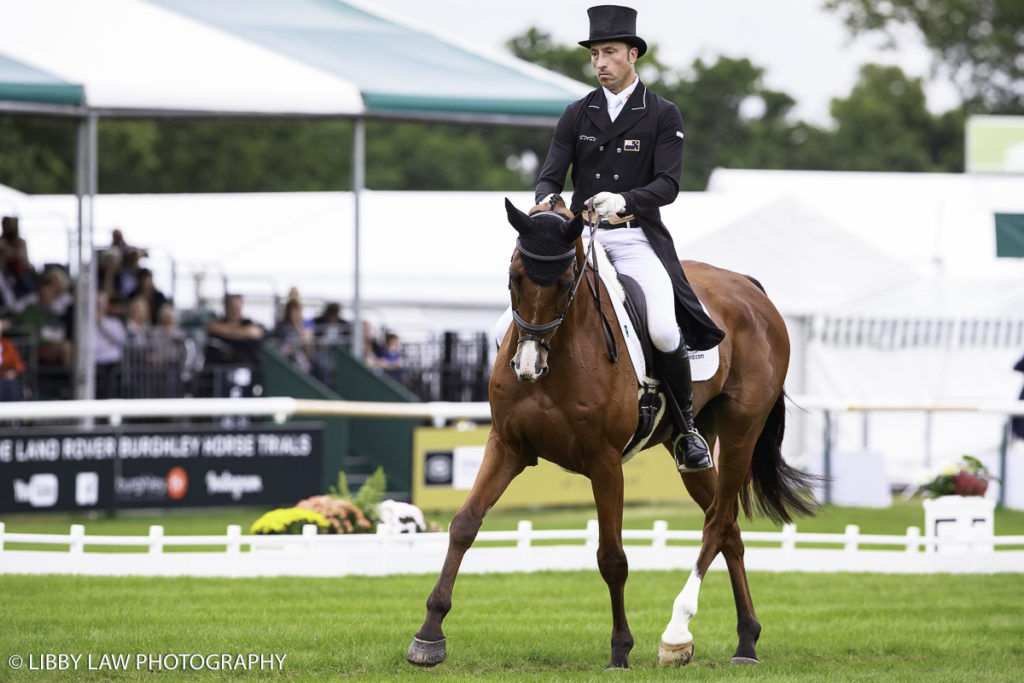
(535, 332)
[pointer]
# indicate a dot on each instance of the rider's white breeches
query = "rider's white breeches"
(632, 255)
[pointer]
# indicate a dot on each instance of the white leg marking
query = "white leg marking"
(683, 609)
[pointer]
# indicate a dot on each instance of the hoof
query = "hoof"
(675, 655)
(749, 661)
(426, 653)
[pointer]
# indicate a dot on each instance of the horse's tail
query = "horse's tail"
(780, 491)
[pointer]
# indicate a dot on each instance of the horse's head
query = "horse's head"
(542, 280)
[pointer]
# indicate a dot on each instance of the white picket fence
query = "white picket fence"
(524, 549)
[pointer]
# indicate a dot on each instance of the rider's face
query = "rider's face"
(613, 64)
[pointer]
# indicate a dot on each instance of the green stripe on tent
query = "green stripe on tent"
(1010, 235)
(395, 68)
(22, 83)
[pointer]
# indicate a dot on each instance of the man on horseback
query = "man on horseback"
(625, 146)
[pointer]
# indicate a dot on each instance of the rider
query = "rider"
(625, 146)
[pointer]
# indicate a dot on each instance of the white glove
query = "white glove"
(607, 204)
(547, 199)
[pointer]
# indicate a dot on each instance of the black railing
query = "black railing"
(447, 367)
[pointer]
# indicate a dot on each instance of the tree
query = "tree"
(883, 123)
(977, 42)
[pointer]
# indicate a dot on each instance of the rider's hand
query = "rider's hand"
(607, 204)
(548, 199)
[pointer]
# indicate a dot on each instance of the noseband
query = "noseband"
(527, 330)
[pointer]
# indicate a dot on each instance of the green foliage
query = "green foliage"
(37, 154)
(975, 43)
(732, 120)
(341, 490)
(371, 494)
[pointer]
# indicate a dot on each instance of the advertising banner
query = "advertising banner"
(167, 466)
(445, 462)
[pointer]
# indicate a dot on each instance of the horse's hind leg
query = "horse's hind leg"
(747, 626)
(611, 558)
(498, 469)
(721, 533)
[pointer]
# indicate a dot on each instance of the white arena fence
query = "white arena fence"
(522, 550)
(525, 549)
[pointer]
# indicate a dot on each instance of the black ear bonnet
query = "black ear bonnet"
(546, 243)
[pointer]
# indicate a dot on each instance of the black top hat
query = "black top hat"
(611, 22)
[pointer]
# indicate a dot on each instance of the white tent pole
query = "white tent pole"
(358, 180)
(85, 283)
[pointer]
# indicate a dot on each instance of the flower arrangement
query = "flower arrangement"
(969, 477)
(288, 521)
(339, 512)
(342, 516)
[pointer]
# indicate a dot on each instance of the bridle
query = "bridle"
(531, 332)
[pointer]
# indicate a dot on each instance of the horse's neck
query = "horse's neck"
(583, 304)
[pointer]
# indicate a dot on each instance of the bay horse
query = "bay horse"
(585, 410)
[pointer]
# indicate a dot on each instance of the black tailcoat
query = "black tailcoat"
(640, 156)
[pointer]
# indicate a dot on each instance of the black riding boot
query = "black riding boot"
(689, 448)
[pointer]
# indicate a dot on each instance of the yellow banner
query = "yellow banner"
(445, 462)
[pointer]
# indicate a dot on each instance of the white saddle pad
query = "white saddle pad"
(703, 364)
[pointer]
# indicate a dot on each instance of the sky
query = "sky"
(805, 50)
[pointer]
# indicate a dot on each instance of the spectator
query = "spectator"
(137, 322)
(233, 338)
(295, 339)
(148, 291)
(48, 321)
(118, 244)
(127, 278)
(168, 347)
(330, 331)
(15, 291)
(330, 327)
(12, 368)
(10, 237)
(111, 338)
(18, 274)
(390, 358)
(233, 341)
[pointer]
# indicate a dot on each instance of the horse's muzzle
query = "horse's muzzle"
(530, 362)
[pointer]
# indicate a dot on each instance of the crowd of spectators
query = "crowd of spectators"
(140, 350)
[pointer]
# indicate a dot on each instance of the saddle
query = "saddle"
(631, 312)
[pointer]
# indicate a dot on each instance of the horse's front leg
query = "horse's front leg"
(499, 467)
(607, 485)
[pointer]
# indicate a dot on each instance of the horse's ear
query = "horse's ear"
(574, 228)
(516, 218)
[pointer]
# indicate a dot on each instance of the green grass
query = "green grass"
(533, 627)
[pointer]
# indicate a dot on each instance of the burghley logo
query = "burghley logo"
(40, 491)
(588, 138)
(234, 484)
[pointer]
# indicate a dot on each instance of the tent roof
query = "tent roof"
(940, 223)
(256, 57)
(22, 83)
(804, 260)
(396, 67)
